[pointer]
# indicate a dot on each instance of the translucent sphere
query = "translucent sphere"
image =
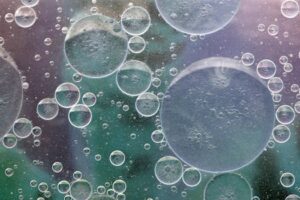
(30, 3)
(191, 177)
(285, 114)
(136, 44)
(57, 167)
(275, 84)
(119, 186)
(297, 107)
(147, 104)
(117, 158)
(22, 128)
(238, 108)
(287, 180)
(67, 95)
(81, 190)
(281, 133)
(266, 69)
(135, 20)
(63, 187)
(96, 46)
(80, 116)
(168, 170)
(157, 136)
(292, 197)
(89, 99)
(248, 59)
(9, 140)
(197, 17)
(47, 109)
(25, 16)
(290, 8)
(134, 78)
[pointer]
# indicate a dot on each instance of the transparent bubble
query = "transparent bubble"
(135, 20)
(67, 95)
(119, 186)
(22, 128)
(117, 158)
(292, 197)
(89, 99)
(147, 104)
(81, 190)
(197, 17)
(121, 197)
(25, 16)
(283, 59)
(228, 186)
(43, 187)
(290, 8)
(168, 170)
(287, 180)
(285, 114)
(57, 167)
(288, 67)
(297, 107)
(281, 134)
(134, 78)
(30, 3)
(77, 175)
(47, 109)
(9, 172)
(9, 141)
(63, 187)
(275, 84)
(96, 46)
(80, 116)
(273, 29)
(266, 69)
(238, 108)
(157, 136)
(36, 131)
(101, 189)
(48, 41)
(136, 44)
(191, 177)
(9, 17)
(248, 59)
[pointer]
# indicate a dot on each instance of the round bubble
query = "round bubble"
(119, 186)
(96, 46)
(81, 190)
(136, 44)
(67, 95)
(297, 107)
(101, 197)
(287, 180)
(168, 170)
(191, 177)
(22, 128)
(228, 186)
(63, 187)
(248, 59)
(197, 17)
(275, 84)
(285, 114)
(281, 133)
(290, 8)
(134, 78)
(9, 140)
(89, 99)
(25, 16)
(157, 136)
(147, 104)
(47, 109)
(80, 116)
(266, 69)
(57, 167)
(217, 115)
(30, 3)
(292, 197)
(11, 93)
(117, 158)
(135, 20)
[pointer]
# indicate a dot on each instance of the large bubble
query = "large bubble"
(96, 46)
(217, 115)
(197, 16)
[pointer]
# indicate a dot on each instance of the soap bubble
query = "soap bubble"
(25, 16)
(281, 133)
(147, 104)
(136, 44)
(63, 186)
(47, 109)
(89, 99)
(81, 190)
(275, 84)
(67, 95)
(285, 114)
(30, 3)
(22, 128)
(248, 59)
(191, 177)
(80, 116)
(57, 167)
(119, 186)
(9, 140)
(117, 158)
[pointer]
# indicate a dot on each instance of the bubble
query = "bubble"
(47, 109)
(119, 186)
(9, 172)
(134, 78)
(48, 41)
(67, 95)
(273, 29)
(275, 84)
(191, 177)
(102, 197)
(297, 107)
(287, 180)
(96, 46)
(81, 190)
(281, 134)
(168, 170)
(283, 60)
(80, 116)
(63, 187)
(89, 99)
(228, 186)
(30, 3)
(248, 59)
(22, 128)
(9, 141)
(77, 175)
(157, 136)
(25, 17)
(9, 17)
(11, 93)
(43, 187)
(135, 20)
(57, 167)
(197, 17)
(117, 158)
(121, 197)
(285, 114)
(292, 197)
(36, 131)
(290, 8)
(266, 69)
(147, 104)
(238, 110)
(136, 44)
(288, 67)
